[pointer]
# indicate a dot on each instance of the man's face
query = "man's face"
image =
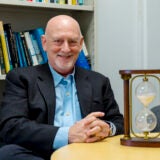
(62, 45)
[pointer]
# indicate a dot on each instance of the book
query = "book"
(81, 2)
(69, 2)
(82, 61)
(74, 2)
(86, 53)
(19, 49)
(2, 67)
(62, 2)
(26, 51)
(54, 1)
(38, 32)
(8, 50)
(12, 45)
(4, 48)
(85, 49)
(36, 48)
(30, 47)
(22, 50)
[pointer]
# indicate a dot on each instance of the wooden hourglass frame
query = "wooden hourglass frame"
(129, 139)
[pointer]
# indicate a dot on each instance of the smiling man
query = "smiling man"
(49, 106)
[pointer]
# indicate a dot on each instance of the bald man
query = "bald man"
(49, 106)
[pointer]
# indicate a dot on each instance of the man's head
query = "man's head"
(62, 42)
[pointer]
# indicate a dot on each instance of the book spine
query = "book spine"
(36, 48)
(22, 54)
(74, 2)
(62, 2)
(54, 1)
(38, 32)
(82, 61)
(4, 48)
(85, 49)
(26, 52)
(30, 48)
(12, 45)
(2, 67)
(19, 50)
(69, 2)
(81, 2)
(8, 50)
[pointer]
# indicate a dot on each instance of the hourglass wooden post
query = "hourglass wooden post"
(130, 138)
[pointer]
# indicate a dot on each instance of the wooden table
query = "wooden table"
(108, 149)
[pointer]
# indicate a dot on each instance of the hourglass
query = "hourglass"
(145, 120)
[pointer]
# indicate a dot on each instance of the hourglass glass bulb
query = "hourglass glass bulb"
(145, 92)
(146, 120)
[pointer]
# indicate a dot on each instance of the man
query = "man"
(48, 106)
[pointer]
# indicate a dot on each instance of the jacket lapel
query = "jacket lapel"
(46, 86)
(84, 91)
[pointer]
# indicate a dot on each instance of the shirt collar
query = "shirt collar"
(57, 77)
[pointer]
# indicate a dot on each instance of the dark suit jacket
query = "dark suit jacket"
(28, 107)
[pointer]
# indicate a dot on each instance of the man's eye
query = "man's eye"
(72, 43)
(58, 42)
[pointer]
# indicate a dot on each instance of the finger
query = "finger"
(96, 114)
(93, 139)
(88, 120)
(94, 131)
(100, 123)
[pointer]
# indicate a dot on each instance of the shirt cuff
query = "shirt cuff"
(59, 141)
(112, 128)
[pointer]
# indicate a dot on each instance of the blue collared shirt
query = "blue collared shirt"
(67, 107)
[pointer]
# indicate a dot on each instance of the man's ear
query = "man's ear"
(43, 40)
(81, 42)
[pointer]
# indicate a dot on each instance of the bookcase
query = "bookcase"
(29, 15)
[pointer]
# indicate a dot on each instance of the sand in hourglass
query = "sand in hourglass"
(146, 99)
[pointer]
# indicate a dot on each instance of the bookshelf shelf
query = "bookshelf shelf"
(30, 15)
(16, 3)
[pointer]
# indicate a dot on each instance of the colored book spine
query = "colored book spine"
(81, 2)
(74, 2)
(82, 61)
(8, 50)
(22, 54)
(26, 51)
(2, 67)
(85, 49)
(12, 45)
(61, 1)
(36, 48)
(19, 51)
(69, 2)
(4, 48)
(30, 48)
(38, 32)
(54, 1)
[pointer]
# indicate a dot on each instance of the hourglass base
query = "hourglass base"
(140, 142)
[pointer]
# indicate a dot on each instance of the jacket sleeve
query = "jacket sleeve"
(23, 119)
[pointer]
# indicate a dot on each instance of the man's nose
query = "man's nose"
(66, 46)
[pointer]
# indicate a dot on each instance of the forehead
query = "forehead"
(64, 27)
(65, 34)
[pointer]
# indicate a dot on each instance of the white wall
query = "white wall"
(153, 37)
(128, 37)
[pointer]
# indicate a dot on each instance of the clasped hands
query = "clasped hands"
(89, 129)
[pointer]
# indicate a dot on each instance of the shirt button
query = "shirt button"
(67, 114)
(67, 94)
